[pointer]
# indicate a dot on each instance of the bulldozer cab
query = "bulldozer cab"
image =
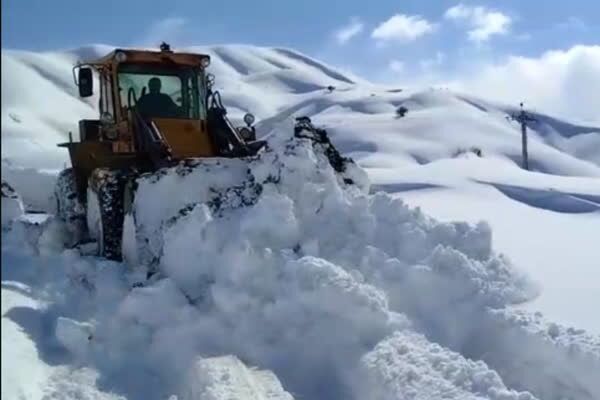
(156, 108)
(161, 92)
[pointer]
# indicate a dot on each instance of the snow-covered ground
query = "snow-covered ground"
(331, 289)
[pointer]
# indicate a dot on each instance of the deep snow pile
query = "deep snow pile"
(228, 378)
(290, 265)
(287, 262)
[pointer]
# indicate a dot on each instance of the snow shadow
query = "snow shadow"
(39, 326)
(473, 103)
(403, 187)
(550, 199)
(239, 67)
(352, 146)
(297, 86)
(534, 165)
(547, 125)
(327, 71)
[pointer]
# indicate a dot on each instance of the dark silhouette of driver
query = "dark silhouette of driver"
(156, 104)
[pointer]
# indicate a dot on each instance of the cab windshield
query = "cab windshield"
(156, 92)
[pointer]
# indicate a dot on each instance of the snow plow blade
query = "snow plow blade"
(111, 193)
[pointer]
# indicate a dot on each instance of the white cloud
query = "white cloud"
(563, 82)
(403, 28)
(169, 29)
(396, 66)
(347, 32)
(483, 22)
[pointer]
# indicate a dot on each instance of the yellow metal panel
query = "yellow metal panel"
(186, 138)
(91, 154)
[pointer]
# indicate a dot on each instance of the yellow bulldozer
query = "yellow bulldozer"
(156, 109)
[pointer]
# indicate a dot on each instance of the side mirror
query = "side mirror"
(85, 81)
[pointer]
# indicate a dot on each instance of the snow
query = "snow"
(73, 335)
(33, 366)
(281, 277)
(21, 355)
(12, 205)
(408, 366)
(551, 234)
(32, 124)
(35, 187)
(222, 378)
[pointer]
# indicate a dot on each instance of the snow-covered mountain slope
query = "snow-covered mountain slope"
(340, 293)
(275, 84)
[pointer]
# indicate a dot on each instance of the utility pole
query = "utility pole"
(523, 118)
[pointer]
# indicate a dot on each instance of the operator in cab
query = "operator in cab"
(156, 104)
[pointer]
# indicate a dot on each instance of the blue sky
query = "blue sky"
(399, 37)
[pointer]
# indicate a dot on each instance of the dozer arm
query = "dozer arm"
(224, 134)
(150, 141)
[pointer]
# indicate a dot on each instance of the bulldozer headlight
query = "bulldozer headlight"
(210, 80)
(246, 134)
(249, 119)
(120, 56)
(106, 118)
(111, 134)
(205, 62)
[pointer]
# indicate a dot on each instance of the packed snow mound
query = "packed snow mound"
(573, 339)
(291, 188)
(224, 378)
(407, 365)
(245, 243)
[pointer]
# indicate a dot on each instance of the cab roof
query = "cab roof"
(150, 56)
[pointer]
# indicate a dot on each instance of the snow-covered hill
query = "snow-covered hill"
(340, 293)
